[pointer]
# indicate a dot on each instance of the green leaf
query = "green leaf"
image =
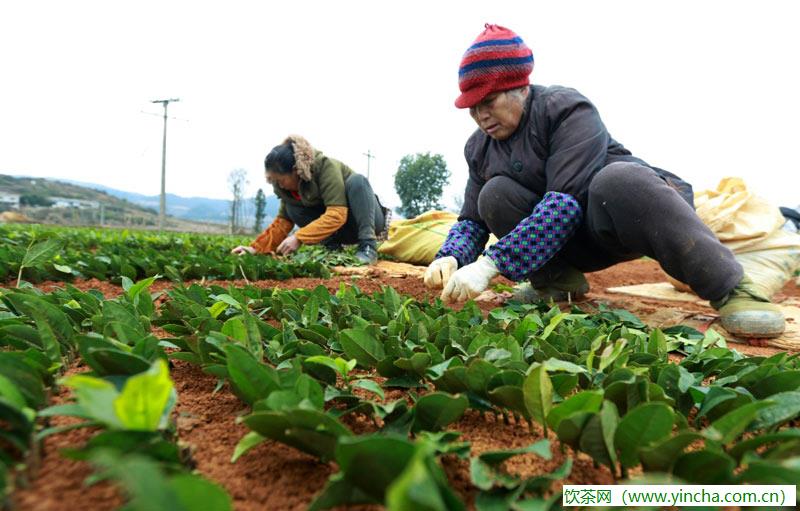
(146, 399)
(661, 456)
(362, 346)
(786, 408)
(194, 492)
(339, 492)
(235, 329)
(140, 286)
(114, 361)
(554, 364)
(150, 489)
(784, 381)
(642, 426)
(9, 391)
(713, 398)
(563, 384)
(328, 362)
(570, 428)
(486, 473)
(540, 448)
(416, 364)
(250, 440)
(371, 386)
(252, 379)
(436, 410)
(96, 396)
(705, 467)
(27, 380)
(728, 427)
(741, 448)
(311, 431)
(537, 392)
(597, 437)
(510, 397)
(478, 375)
(62, 268)
(585, 401)
(554, 322)
(217, 308)
(611, 353)
(372, 462)
(233, 302)
(769, 472)
(418, 488)
(657, 343)
(40, 253)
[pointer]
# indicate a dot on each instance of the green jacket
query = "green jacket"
(321, 184)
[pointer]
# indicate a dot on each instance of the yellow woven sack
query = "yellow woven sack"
(742, 221)
(417, 239)
(752, 228)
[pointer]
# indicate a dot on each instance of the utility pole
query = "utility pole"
(369, 156)
(162, 212)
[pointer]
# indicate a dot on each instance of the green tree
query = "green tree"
(261, 206)
(419, 182)
(32, 199)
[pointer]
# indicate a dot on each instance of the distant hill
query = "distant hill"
(118, 209)
(191, 208)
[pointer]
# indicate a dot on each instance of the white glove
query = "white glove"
(470, 281)
(241, 249)
(439, 272)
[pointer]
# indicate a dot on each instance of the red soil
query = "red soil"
(273, 476)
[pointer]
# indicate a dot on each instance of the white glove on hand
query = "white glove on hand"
(439, 272)
(470, 281)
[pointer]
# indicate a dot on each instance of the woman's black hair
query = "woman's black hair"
(280, 159)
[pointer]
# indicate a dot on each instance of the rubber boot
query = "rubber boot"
(746, 312)
(561, 284)
(367, 252)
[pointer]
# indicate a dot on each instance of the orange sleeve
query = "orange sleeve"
(324, 226)
(272, 236)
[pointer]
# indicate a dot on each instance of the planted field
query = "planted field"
(38, 254)
(310, 393)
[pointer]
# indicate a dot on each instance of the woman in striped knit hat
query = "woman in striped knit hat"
(563, 197)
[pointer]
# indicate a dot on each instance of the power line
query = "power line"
(162, 212)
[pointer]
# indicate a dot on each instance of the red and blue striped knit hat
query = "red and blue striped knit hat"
(498, 60)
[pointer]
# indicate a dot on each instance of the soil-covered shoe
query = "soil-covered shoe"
(570, 284)
(367, 254)
(332, 246)
(745, 312)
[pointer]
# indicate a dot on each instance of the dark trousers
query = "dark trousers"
(365, 215)
(631, 212)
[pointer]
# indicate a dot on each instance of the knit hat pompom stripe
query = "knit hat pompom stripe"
(507, 65)
(498, 60)
(493, 52)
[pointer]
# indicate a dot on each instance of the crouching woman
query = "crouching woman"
(330, 203)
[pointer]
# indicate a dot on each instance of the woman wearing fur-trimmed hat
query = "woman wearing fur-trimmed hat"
(330, 203)
(563, 197)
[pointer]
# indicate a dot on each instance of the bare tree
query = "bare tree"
(237, 182)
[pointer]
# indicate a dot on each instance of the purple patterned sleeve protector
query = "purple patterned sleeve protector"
(536, 239)
(465, 241)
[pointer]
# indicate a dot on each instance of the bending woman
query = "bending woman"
(328, 201)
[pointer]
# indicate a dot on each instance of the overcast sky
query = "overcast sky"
(703, 89)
